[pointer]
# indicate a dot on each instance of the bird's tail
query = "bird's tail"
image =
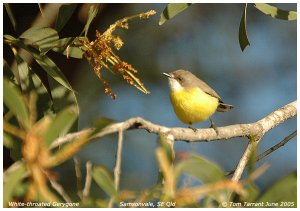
(224, 107)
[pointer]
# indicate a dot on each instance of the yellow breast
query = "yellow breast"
(193, 105)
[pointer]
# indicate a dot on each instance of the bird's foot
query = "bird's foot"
(213, 126)
(194, 129)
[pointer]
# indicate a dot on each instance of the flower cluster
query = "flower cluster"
(99, 53)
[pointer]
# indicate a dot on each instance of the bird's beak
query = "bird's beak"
(168, 75)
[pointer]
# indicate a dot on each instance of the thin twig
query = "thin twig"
(277, 146)
(88, 180)
(117, 170)
(59, 189)
(201, 135)
(78, 176)
(11, 129)
(244, 160)
(270, 150)
(257, 129)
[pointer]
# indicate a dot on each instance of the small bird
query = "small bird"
(192, 99)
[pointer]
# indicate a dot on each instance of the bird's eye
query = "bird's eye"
(179, 79)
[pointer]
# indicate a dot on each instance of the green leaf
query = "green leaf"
(172, 10)
(45, 38)
(201, 168)
(8, 141)
(74, 52)
(21, 190)
(20, 44)
(44, 61)
(14, 102)
(63, 43)
(14, 145)
(11, 180)
(10, 15)
(92, 14)
(15, 153)
(7, 72)
(104, 180)
(284, 190)
(52, 70)
(61, 124)
(275, 12)
(62, 98)
(44, 100)
(243, 37)
(23, 73)
(65, 46)
(64, 14)
(30, 81)
(9, 38)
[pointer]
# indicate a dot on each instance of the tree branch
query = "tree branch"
(270, 150)
(277, 146)
(201, 135)
(78, 176)
(267, 123)
(88, 180)
(117, 170)
(244, 160)
(59, 189)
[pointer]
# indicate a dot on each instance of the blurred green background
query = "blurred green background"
(204, 40)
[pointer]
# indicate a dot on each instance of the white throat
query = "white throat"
(174, 85)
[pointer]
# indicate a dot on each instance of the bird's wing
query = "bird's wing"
(207, 89)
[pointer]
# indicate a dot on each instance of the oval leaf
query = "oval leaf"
(243, 37)
(7, 70)
(11, 180)
(104, 180)
(92, 14)
(284, 190)
(23, 73)
(45, 38)
(275, 12)
(44, 61)
(65, 46)
(14, 101)
(52, 70)
(64, 14)
(171, 10)
(203, 169)
(61, 124)
(10, 15)
(30, 81)
(74, 52)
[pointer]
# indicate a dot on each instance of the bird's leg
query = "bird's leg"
(191, 127)
(213, 126)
